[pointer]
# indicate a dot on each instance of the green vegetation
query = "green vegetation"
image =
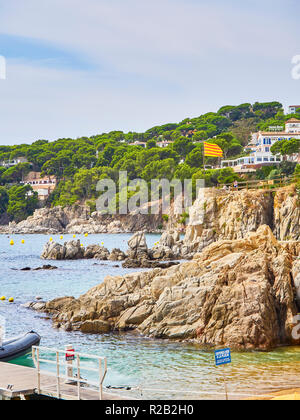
(22, 202)
(79, 163)
(286, 147)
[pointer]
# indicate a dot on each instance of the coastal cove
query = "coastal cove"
(133, 360)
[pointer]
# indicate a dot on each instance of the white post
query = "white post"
(101, 380)
(58, 375)
(69, 368)
(78, 375)
(38, 370)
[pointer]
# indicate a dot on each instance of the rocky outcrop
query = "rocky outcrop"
(138, 254)
(219, 215)
(287, 214)
(48, 221)
(117, 255)
(78, 220)
(169, 247)
(138, 248)
(44, 267)
(238, 293)
(73, 250)
(69, 251)
(96, 251)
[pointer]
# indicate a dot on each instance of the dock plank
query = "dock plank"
(24, 382)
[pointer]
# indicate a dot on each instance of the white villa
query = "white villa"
(162, 144)
(260, 147)
(13, 162)
(293, 109)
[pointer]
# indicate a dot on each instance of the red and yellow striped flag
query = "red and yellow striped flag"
(212, 150)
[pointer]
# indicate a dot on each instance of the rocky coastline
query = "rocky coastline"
(79, 220)
(241, 293)
(239, 288)
(226, 215)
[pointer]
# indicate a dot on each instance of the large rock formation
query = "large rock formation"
(73, 250)
(238, 293)
(219, 215)
(138, 255)
(69, 251)
(287, 214)
(48, 221)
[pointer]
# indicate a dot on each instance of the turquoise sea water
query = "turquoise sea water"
(161, 366)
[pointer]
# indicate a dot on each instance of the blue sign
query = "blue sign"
(222, 357)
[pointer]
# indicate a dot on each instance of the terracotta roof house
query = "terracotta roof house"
(44, 186)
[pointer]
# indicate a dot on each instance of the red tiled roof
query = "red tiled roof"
(292, 120)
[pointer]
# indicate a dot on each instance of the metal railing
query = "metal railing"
(77, 364)
(277, 182)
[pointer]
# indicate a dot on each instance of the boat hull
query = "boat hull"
(19, 346)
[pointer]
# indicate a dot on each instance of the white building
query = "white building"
(260, 146)
(293, 109)
(13, 162)
(164, 143)
(138, 143)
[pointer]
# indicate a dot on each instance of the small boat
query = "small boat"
(18, 346)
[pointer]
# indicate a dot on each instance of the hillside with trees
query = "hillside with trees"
(79, 163)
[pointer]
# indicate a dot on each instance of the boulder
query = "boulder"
(96, 251)
(169, 238)
(46, 267)
(138, 242)
(138, 249)
(117, 255)
(69, 251)
(53, 251)
(74, 250)
(95, 327)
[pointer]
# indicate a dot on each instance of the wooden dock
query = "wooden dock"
(19, 382)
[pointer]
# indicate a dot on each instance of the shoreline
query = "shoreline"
(245, 364)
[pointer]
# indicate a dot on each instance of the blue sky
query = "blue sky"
(81, 68)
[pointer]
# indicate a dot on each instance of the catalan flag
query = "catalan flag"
(212, 150)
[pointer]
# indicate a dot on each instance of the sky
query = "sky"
(80, 68)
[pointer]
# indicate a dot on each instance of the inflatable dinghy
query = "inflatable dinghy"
(18, 346)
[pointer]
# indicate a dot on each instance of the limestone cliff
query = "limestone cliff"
(222, 215)
(238, 293)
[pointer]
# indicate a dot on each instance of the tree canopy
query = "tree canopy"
(79, 163)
